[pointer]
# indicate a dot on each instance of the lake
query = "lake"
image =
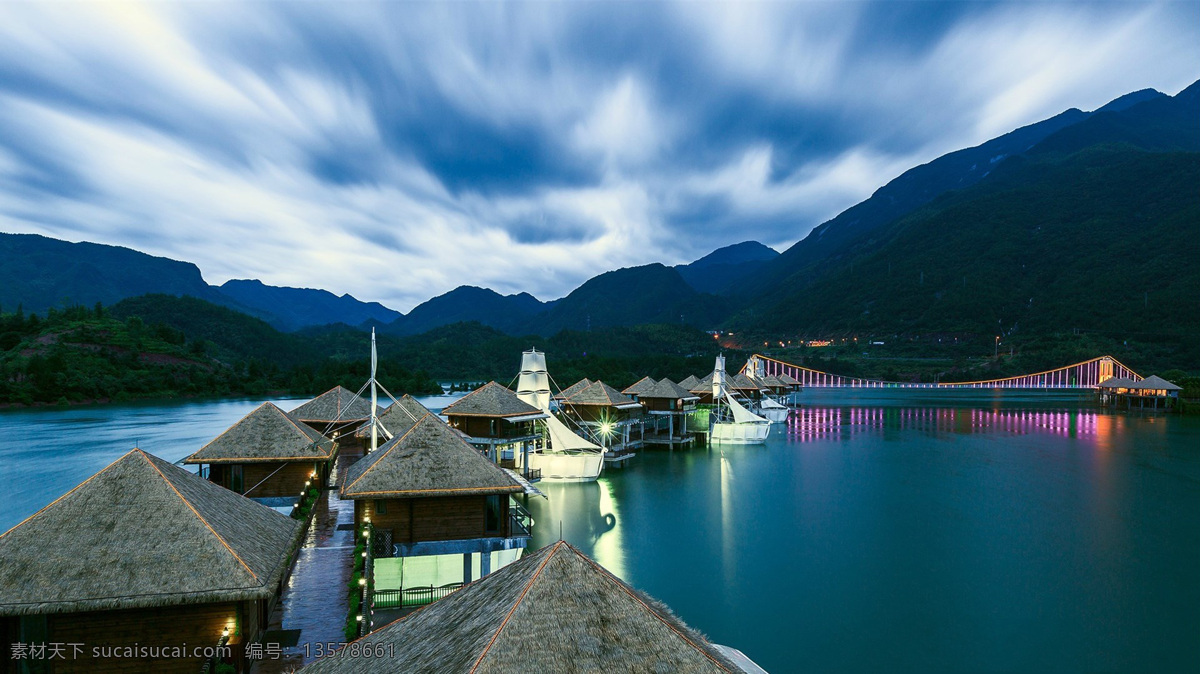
(878, 531)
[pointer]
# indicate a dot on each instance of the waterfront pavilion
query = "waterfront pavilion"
(555, 610)
(500, 424)
(144, 553)
(267, 455)
(427, 492)
(334, 413)
(1150, 392)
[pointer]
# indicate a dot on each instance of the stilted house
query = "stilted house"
(573, 389)
(640, 386)
(791, 382)
(745, 387)
(499, 423)
(1152, 392)
(555, 610)
(613, 420)
(666, 401)
(689, 383)
(137, 561)
(267, 454)
(429, 493)
(336, 413)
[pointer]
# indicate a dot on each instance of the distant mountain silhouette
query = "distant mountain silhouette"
(39, 272)
(507, 313)
(722, 268)
(292, 309)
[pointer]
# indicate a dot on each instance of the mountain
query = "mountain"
(631, 296)
(1161, 123)
(1104, 240)
(507, 313)
(39, 273)
(721, 269)
(291, 309)
(914, 188)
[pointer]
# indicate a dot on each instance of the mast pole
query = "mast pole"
(374, 395)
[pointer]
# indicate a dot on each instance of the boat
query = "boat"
(568, 457)
(731, 423)
(771, 410)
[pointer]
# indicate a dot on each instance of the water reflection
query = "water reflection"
(587, 513)
(820, 423)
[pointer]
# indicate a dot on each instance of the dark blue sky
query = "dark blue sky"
(394, 151)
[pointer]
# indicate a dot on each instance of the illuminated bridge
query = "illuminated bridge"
(1085, 375)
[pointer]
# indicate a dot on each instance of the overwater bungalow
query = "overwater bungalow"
(142, 555)
(641, 385)
(745, 387)
(430, 494)
(335, 413)
(702, 389)
(267, 454)
(666, 401)
(499, 423)
(613, 420)
(555, 610)
(1152, 392)
(689, 382)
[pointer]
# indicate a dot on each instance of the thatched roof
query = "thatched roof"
(789, 380)
(643, 384)
(398, 417)
(600, 393)
(429, 460)
(704, 385)
(690, 382)
(554, 610)
(1155, 383)
(336, 404)
(491, 400)
(667, 389)
(740, 382)
(573, 389)
(1117, 382)
(141, 533)
(266, 434)
(770, 381)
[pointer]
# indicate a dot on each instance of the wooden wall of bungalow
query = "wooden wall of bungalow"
(667, 404)
(196, 625)
(438, 518)
(490, 427)
(265, 479)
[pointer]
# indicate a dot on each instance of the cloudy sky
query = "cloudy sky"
(395, 151)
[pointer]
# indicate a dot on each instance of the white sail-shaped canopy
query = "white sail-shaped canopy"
(563, 439)
(742, 415)
(718, 382)
(768, 404)
(533, 386)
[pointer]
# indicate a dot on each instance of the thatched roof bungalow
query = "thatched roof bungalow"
(608, 414)
(334, 412)
(555, 610)
(395, 420)
(573, 389)
(266, 454)
(147, 552)
(429, 492)
(667, 396)
(494, 418)
(638, 387)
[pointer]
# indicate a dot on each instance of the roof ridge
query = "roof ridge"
(198, 515)
(397, 441)
(625, 588)
(72, 491)
(507, 616)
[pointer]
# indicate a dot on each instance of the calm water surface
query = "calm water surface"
(880, 533)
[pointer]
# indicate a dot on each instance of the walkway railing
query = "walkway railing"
(520, 519)
(412, 596)
(1086, 375)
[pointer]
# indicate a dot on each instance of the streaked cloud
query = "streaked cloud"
(397, 150)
